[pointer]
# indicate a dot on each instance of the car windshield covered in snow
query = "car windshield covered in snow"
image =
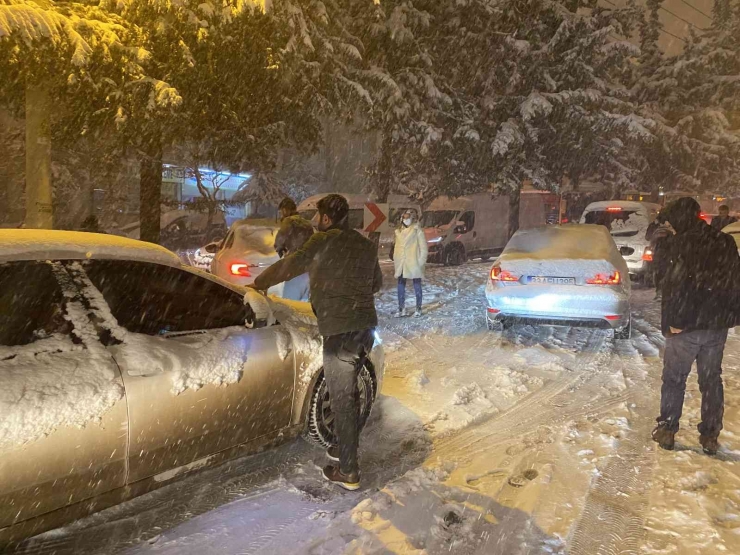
(437, 218)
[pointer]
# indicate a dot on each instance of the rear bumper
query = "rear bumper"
(637, 266)
(594, 306)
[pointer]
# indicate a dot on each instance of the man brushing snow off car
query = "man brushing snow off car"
(344, 274)
(700, 303)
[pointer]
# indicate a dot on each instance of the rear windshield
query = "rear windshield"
(436, 218)
(613, 219)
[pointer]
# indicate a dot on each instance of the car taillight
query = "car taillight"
(604, 279)
(614, 209)
(647, 256)
(497, 274)
(240, 269)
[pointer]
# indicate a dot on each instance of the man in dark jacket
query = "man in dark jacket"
(700, 303)
(724, 219)
(344, 275)
(294, 230)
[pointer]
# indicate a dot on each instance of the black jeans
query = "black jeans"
(343, 355)
(402, 292)
(706, 347)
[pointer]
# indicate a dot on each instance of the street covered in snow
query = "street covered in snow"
(537, 441)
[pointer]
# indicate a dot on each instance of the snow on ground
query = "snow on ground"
(534, 443)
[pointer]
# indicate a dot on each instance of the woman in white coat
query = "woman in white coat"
(410, 258)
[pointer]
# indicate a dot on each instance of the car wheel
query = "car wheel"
(625, 332)
(320, 426)
(455, 255)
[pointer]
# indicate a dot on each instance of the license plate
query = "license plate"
(552, 280)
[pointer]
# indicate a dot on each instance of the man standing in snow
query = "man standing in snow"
(293, 233)
(344, 275)
(700, 303)
(294, 230)
(724, 219)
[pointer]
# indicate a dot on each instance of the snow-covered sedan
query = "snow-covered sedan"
(569, 275)
(121, 369)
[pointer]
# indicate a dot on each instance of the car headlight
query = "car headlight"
(435, 240)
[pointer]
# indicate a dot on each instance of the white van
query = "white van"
(627, 221)
(475, 226)
(397, 205)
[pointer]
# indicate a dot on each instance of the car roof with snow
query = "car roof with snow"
(572, 241)
(623, 204)
(45, 244)
(572, 249)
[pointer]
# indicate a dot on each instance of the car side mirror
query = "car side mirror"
(212, 248)
(460, 227)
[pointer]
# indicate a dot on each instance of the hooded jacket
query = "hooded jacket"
(410, 252)
(344, 276)
(293, 233)
(701, 286)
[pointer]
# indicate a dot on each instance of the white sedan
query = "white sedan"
(569, 275)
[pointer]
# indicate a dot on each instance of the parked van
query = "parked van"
(627, 221)
(397, 205)
(475, 226)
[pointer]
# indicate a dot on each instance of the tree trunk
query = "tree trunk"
(385, 168)
(39, 212)
(514, 202)
(150, 193)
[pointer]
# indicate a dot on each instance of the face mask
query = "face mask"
(407, 221)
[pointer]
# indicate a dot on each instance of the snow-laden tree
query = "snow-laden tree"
(392, 40)
(539, 96)
(694, 98)
(57, 59)
(249, 82)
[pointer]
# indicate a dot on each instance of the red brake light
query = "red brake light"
(240, 269)
(603, 279)
(497, 274)
(647, 256)
(614, 209)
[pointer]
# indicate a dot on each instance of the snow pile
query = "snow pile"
(299, 330)
(469, 394)
(212, 357)
(54, 382)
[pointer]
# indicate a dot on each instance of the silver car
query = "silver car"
(569, 275)
(122, 370)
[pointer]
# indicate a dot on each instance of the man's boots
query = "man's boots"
(664, 437)
(710, 444)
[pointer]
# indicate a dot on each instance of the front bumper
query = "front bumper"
(565, 305)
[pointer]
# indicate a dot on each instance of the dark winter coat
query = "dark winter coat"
(344, 274)
(720, 223)
(293, 233)
(701, 286)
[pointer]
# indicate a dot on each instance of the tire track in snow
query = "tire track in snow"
(613, 518)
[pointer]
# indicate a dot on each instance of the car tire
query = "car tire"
(455, 255)
(625, 332)
(320, 421)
